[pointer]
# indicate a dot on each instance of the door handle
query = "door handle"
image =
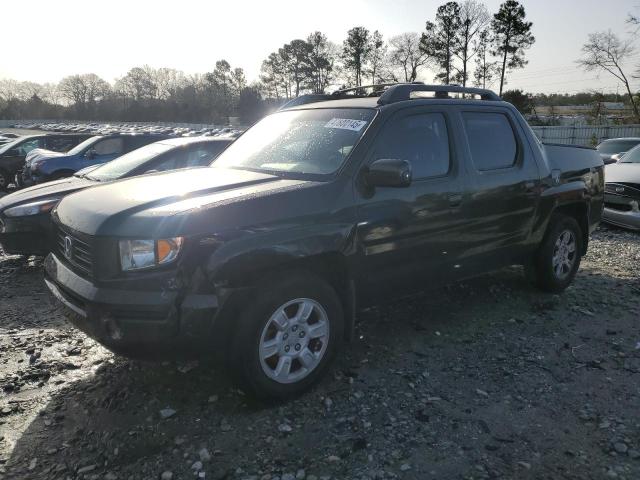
(455, 199)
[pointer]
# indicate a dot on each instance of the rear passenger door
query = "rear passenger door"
(504, 184)
(409, 236)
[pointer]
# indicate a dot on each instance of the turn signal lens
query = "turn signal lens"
(140, 254)
(168, 249)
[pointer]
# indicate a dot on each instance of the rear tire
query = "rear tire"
(555, 264)
(287, 336)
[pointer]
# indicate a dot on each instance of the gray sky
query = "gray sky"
(45, 40)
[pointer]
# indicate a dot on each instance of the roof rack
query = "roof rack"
(402, 91)
(389, 93)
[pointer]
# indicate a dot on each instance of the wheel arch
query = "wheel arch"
(580, 212)
(332, 267)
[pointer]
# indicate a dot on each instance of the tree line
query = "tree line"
(464, 43)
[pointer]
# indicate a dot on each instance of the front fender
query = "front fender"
(241, 261)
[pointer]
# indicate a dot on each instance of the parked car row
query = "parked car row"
(44, 165)
(31, 159)
(105, 129)
(14, 153)
(25, 223)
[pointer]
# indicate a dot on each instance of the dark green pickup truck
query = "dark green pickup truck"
(316, 211)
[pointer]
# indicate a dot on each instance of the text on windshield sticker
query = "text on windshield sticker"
(346, 124)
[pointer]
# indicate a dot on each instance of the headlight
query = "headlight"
(35, 165)
(34, 208)
(139, 254)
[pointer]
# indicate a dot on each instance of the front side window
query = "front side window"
(420, 139)
(298, 142)
(109, 146)
(81, 147)
(491, 140)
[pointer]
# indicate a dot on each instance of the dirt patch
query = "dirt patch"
(486, 379)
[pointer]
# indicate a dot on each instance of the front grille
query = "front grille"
(629, 190)
(76, 251)
(622, 207)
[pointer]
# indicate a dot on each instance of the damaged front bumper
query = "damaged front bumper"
(137, 324)
(622, 211)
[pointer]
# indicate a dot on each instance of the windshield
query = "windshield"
(617, 146)
(124, 164)
(298, 141)
(632, 156)
(81, 146)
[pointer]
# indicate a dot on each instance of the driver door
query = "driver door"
(104, 151)
(410, 237)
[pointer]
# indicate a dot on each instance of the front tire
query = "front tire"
(557, 260)
(288, 336)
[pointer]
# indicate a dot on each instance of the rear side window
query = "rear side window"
(109, 146)
(420, 139)
(60, 144)
(491, 140)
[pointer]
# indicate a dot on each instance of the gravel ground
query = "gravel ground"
(485, 379)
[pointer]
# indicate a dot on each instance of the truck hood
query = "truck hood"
(143, 205)
(38, 153)
(622, 173)
(57, 188)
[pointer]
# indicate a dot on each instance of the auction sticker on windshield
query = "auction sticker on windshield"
(346, 124)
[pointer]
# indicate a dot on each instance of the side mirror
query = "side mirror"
(610, 160)
(389, 172)
(90, 154)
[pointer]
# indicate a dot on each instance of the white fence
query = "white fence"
(585, 135)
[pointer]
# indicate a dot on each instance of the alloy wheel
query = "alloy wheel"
(564, 254)
(294, 340)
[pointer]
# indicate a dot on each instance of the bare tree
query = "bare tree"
(168, 82)
(97, 88)
(406, 55)
(9, 89)
(51, 93)
(73, 89)
(604, 51)
(474, 18)
(138, 84)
